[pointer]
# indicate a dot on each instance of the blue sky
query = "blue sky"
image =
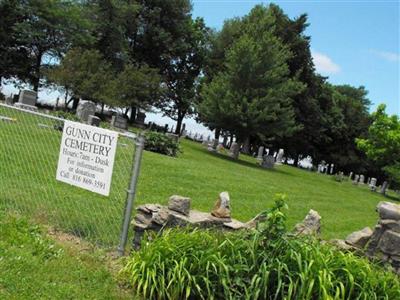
(353, 42)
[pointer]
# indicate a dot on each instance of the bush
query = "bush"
(161, 143)
(65, 115)
(265, 264)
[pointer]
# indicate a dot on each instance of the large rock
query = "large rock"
(310, 225)
(179, 204)
(359, 238)
(341, 245)
(390, 225)
(388, 210)
(222, 206)
(390, 243)
(372, 246)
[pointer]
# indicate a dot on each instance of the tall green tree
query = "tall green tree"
(253, 95)
(45, 30)
(382, 145)
(181, 74)
(14, 62)
(83, 74)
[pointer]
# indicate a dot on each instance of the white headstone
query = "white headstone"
(279, 156)
(260, 153)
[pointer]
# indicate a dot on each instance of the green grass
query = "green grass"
(29, 156)
(33, 266)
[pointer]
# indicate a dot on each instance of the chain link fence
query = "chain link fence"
(29, 150)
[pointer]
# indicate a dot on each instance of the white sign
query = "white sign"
(87, 157)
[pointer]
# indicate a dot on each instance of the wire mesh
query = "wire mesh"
(29, 150)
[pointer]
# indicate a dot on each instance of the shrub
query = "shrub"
(265, 264)
(66, 115)
(161, 143)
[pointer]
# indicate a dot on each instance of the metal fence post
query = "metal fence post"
(131, 194)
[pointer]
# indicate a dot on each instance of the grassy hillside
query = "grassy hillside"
(34, 267)
(29, 156)
(201, 175)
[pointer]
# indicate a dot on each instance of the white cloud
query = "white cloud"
(324, 64)
(386, 55)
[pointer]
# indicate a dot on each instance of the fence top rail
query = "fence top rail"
(127, 134)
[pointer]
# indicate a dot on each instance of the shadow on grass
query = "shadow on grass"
(393, 198)
(240, 162)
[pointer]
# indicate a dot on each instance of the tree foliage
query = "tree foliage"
(382, 145)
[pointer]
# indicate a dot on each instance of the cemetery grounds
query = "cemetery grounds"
(30, 195)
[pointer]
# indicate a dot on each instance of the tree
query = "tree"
(382, 145)
(181, 75)
(44, 31)
(84, 74)
(253, 95)
(135, 86)
(14, 58)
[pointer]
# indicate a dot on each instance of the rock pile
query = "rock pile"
(155, 217)
(384, 241)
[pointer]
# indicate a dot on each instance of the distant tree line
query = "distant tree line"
(253, 80)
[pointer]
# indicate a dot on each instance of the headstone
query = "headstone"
(140, 117)
(84, 110)
(372, 184)
(268, 162)
(234, 150)
(94, 121)
(384, 187)
(362, 179)
(27, 97)
(356, 177)
(331, 170)
(279, 157)
(9, 100)
(212, 146)
(183, 130)
(174, 136)
(220, 148)
(351, 176)
(260, 154)
(119, 122)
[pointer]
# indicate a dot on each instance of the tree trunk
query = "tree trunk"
(217, 133)
(246, 145)
(179, 123)
(75, 103)
(132, 118)
(36, 78)
(296, 161)
(230, 141)
(225, 141)
(102, 109)
(126, 112)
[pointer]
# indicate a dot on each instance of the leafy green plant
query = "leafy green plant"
(265, 264)
(161, 143)
(66, 115)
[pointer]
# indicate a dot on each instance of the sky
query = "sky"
(352, 42)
